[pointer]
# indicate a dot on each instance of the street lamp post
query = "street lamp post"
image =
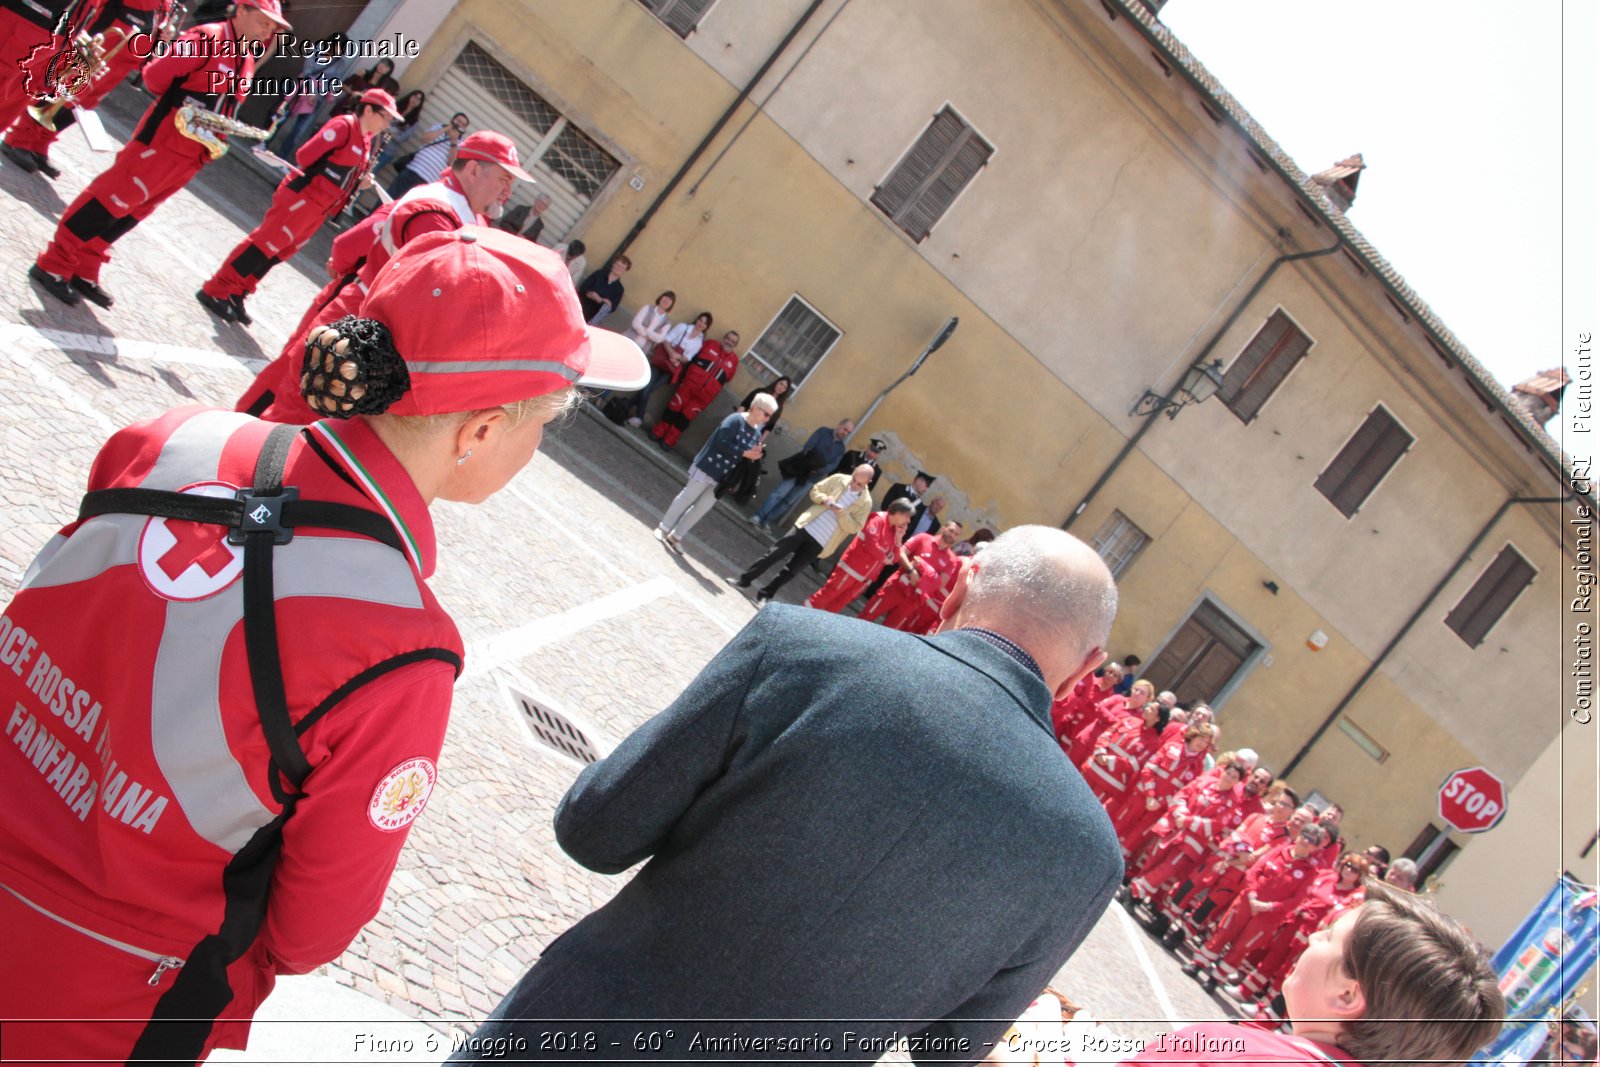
(933, 346)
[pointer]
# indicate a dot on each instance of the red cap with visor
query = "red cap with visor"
(494, 148)
(273, 9)
(483, 318)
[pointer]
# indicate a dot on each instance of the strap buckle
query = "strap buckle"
(263, 514)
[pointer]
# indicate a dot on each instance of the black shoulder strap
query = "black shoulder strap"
(261, 615)
(259, 518)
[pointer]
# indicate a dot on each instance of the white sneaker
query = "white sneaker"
(635, 421)
(659, 534)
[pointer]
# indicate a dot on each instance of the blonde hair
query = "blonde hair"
(551, 407)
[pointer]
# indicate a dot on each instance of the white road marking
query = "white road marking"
(1136, 942)
(122, 348)
(510, 646)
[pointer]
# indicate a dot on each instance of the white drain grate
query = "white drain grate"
(552, 729)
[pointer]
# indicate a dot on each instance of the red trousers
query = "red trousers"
(24, 54)
(140, 179)
(1170, 864)
(1242, 933)
(1135, 823)
(838, 591)
(31, 136)
(275, 394)
(897, 603)
(291, 221)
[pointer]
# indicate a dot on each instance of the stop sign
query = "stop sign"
(1472, 800)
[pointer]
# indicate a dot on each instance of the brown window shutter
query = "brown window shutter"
(1263, 365)
(945, 158)
(1376, 447)
(1490, 596)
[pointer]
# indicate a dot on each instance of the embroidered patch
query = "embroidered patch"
(328, 135)
(189, 560)
(402, 794)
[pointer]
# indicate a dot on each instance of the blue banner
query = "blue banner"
(1540, 967)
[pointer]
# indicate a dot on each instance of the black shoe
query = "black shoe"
(54, 284)
(735, 581)
(93, 292)
(47, 168)
(1192, 969)
(1173, 937)
(20, 156)
(762, 598)
(220, 308)
(240, 315)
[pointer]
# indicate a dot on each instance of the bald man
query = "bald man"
(822, 844)
(839, 508)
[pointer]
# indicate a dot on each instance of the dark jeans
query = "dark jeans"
(800, 546)
(641, 400)
(407, 181)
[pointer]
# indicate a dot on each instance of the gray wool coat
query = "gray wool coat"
(842, 822)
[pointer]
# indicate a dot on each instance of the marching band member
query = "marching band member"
(212, 69)
(333, 163)
(215, 752)
(27, 143)
(28, 44)
(478, 181)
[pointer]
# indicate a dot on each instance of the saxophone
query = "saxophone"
(202, 125)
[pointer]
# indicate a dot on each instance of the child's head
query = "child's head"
(1395, 981)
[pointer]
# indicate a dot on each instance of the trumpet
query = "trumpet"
(202, 125)
(91, 60)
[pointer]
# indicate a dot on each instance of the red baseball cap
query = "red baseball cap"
(383, 99)
(494, 147)
(484, 318)
(273, 9)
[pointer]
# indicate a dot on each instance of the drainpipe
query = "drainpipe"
(1372, 668)
(744, 94)
(1199, 362)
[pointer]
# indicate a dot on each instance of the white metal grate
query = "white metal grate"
(552, 729)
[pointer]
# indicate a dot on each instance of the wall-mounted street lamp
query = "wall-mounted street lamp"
(1199, 385)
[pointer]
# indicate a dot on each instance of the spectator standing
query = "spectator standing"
(668, 357)
(741, 482)
(855, 457)
(527, 220)
(1130, 670)
(572, 253)
(601, 292)
(798, 802)
(701, 379)
(839, 509)
(821, 453)
(738, 435)
(425, 163)
(378, 76)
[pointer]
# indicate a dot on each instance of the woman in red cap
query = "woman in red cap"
(236, 681)
(333, 165)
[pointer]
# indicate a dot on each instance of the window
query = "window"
(1364, 461)
(1500, 584)
(1263, 365)
(1203, 657)
(795, 342)
(680, 16)
(566, 162)
(1118, 541)
(1432, 850)
(928, 179)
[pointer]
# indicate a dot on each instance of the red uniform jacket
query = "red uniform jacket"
(330, 163)
(135, 768)
(1127, 745)
(1280, 880)
(703, 377)
(874, 546)
(208, 64)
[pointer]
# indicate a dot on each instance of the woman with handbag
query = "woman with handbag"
(667, 357)
(741, 482)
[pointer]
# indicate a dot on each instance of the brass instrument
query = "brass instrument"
(92, 59)
(202, 125)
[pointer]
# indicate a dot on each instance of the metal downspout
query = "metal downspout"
(744, 94)
(1198, 361)
(1394, 642)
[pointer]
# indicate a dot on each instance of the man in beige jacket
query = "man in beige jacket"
(839, 508)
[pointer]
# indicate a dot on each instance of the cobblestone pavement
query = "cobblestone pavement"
(558, 587)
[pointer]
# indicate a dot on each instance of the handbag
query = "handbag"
(662, 356)
(798, 465)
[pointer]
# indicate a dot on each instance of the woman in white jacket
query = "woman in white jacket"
(683, 344)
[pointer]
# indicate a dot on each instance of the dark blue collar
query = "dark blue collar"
(1008, 646)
